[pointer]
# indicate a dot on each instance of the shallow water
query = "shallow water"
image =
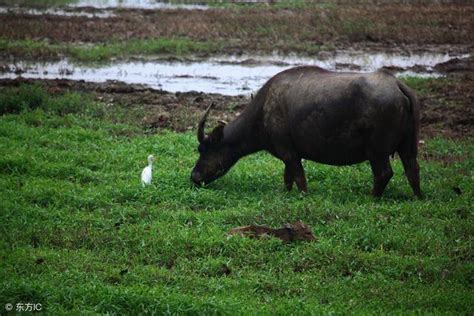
(225, 75)
(100, 4)
(351, 60)
(136, 4)
(55, 11)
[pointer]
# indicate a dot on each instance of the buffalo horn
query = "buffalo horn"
(202, 122)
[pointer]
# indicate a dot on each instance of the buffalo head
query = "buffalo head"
(215, 156)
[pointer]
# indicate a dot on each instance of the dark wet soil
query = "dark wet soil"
(446, 108)
(447, 104)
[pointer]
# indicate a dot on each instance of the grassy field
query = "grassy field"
(31, 49)
(79, 233)
(284, 27)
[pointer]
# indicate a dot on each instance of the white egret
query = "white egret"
(147, 172)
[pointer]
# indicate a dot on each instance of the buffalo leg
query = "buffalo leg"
(412, 169)
(289, 177)
(382, 172)
(296, 169)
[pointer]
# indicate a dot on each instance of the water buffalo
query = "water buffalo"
(328, 117)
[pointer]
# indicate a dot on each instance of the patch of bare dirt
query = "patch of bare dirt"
(447, 106)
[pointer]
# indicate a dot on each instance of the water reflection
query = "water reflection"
(228, 75)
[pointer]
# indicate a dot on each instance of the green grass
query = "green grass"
(79, 233)
(426, 85)
(106, 51)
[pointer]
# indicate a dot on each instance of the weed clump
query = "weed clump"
(34, 101)
(26, 97)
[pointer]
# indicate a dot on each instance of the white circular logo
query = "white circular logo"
(8, 307)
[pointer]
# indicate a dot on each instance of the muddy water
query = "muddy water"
(55, 11)
(224, 75)
(355, 60)
(74, 8)
(136, 4)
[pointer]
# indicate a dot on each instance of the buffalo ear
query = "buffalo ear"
(217, 134)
